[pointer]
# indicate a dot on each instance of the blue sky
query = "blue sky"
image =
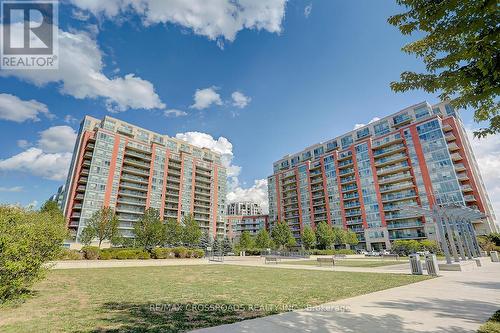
(307, 71)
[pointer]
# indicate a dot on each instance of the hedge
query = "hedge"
(67, 254)
(93, 253)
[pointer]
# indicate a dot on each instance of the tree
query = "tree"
(308, 238)
(339, 236)
(205, 241)
(281, 234)
(324, 235)
(460, 51)
(263, 240)
(103, 225)
(228, 247)
(351, 238)
(173, 232)
(246, 241)
(191, 232)
(149, 230)
(28, 240)
(51, 207)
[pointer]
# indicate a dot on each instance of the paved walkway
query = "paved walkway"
(68, 264)
(456, 302)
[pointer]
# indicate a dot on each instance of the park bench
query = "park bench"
(395, 256)
(269, 259)
(326, 260)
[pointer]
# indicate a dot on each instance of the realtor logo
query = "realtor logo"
(29, 35)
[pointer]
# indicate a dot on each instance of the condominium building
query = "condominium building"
(128, 168)
(237, 224)
(243, 208)
(361, 180)
(59, 196)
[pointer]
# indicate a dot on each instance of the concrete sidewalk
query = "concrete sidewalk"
(70, 264)
(456, 302)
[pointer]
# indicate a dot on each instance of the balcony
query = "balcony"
(132, 194)
(469, 198)
(356, 212)
(137, 154)
(129, 209)
(395, 178)
(387, 141)
(82, 180)
(133, 186)
(77, 206)
(447, 128)
(134, 162)
(354, 221)
(467, 188)
(401, 215)
(390, 160)
(345, 172)
(456, 157)
(129, 201)
(136, 171)
(134, 179)
(463, 176)
(317, 180)
(403, 166)
(453, 147)
(460, 167)
(396, 225)
(346, 189)
(345, 164)
(450, 137)
(400, 196)
(318, 203)
(80, 188)
(396, 187)
(388, 151)
(84, 172)
(394, 235)
(351, 196)
(347, 180)
(79, 197)
(352, 204)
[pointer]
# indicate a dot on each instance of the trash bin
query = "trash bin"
(431, 264)
(494, 256)
(478, 262)
(415, 264)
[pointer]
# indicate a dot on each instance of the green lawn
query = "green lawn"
(137, 299)
(347, 262)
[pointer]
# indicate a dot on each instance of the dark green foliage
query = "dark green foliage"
(51, 207)
(227, 246)
(407, 247)
(67, 254)
(28, 240)
(263, 240)
(308, 238)
(460, 50)
(173, 233)
(281, 235)
(325, 235)
(191, 232)
(149, 230)
(246, 241)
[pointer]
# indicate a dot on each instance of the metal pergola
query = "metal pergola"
(456, 234)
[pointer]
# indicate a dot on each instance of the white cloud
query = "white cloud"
(23, 143)
(69, 119)
(14, 109)
(240, 100)
(50, 159)
(374, 119)
(57, 139)
(174, 113)
(214, 19)
(11, 189)
(487, 152)
(308, 10)
(256, 193)
(80, 75)
(203, 98)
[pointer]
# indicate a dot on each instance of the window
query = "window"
(421, 112)
(363, 133)
(307, 155)
(346, 141)
(295, 160)
(331, 145)
(318, 151)
(401, 118)
(449, 110)
(381, 128)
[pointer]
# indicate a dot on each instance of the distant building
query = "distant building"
(237, 224)
(244, 208)
(59, 196)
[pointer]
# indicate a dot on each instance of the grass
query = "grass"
(492, 325)
(346, 263)
(137, 299)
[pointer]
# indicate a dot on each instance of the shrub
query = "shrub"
(330, 252)
(180, 252)
(143, 255)
(67, 254)
(106, 255)
(492, 325)
(162, 253)
(198, 253)
(127, 254)
(91, 252)
(28, 240)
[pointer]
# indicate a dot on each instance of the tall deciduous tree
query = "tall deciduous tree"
(103, 225)
(173, 232)
(324, 235)
(308, 238)
(191, 232)
(263, 240)
(460, 51)
(281, 234)
(149, 230)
